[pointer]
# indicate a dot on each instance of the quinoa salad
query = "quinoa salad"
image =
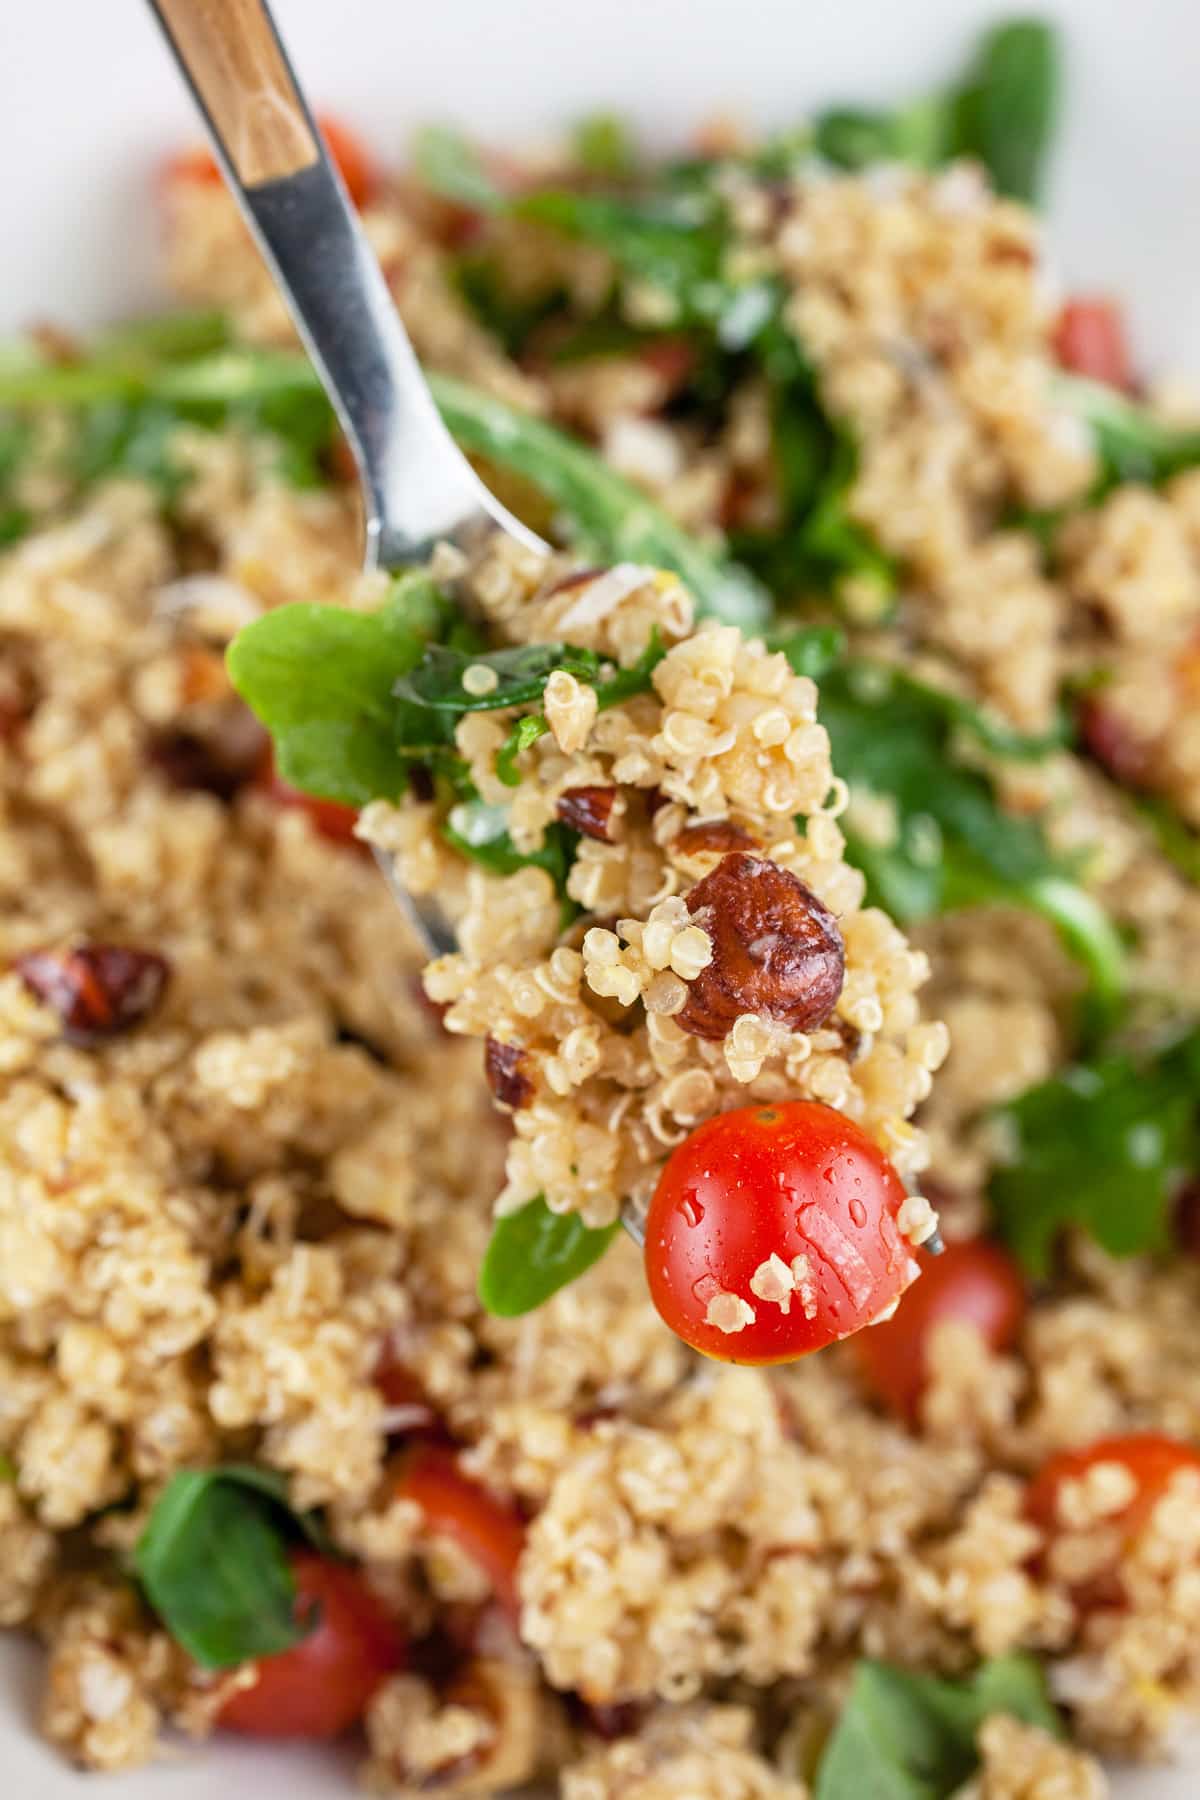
(728, 1329)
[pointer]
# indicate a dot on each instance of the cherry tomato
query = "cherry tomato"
(974, 1281)
(1151, 1457)
(321, 1687)
(773, 1232)
(1108, 738)
(492, 1534)
(354, 165)
(329, 817)
(1089, 339)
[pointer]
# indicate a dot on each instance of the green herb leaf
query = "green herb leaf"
(953, 845)
(1007, 108)
(912, 1737)
(1102, 1146)
(1177, 841)
(603, 146)
(1131, 442)
(856, 138)
(449, 164)
(321, 679)
(521, 670)
(534, 1252)
(812, 650)
(607, 513)
(525, 732)
(213, 1562)
(8, 1468)
(480, 833)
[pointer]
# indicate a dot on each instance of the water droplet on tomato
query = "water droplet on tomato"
(858, 1212)
(691, 1209)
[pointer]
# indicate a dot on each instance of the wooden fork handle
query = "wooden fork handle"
(240, 75)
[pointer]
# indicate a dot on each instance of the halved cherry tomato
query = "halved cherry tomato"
(1089, 339)
(322, 1686)
(354, 165)
(773, 1232)
(1151, 1457)
(329, 817)
(492, 1534)
(976, 1282)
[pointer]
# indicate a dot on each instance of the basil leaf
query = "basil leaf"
(1177, 841)
(213, 1562)
(320, 678)
(1102, 1146)
(851, 137)
(534, 1252)
(912, 1737)
(1132, 443)
(521, 671)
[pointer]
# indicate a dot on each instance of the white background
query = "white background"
(89, 105)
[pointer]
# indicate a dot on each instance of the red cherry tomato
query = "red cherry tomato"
(747, 1196)
(492, 1534)
(1089, 339)
(1151, 1457)
(355, 166)
(329, 817)
(321, 1687)
(974, 1281)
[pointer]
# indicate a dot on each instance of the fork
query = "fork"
(418, 488)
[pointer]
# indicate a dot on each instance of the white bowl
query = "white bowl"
(89, 103)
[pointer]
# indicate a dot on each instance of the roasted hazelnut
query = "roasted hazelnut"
(716, 836)
(507, 1069)
(777, 950)
(97, 990)
(587, 809)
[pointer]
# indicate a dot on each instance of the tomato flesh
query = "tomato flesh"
(322, 1686)
(1089, 339)
(353, 163)
(328, 817)
(794, 1180)
(975, 1281)
(490, 1533)
(1151, 1457)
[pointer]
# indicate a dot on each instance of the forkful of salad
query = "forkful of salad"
(613, 829)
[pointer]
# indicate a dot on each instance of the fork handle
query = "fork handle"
(240, 75)
(417, 485)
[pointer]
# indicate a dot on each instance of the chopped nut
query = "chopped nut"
(715, 836)
(729, 1313)
(916, 1219)
(776, 950)
(588, 809)
(97, 990)
(507, 1069)
(806, 1287)
(773, 1281)
(219, 760)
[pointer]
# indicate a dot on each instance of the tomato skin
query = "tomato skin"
(792, 1179)
(1151, 1457)
(328, 817)
(975, 1281)
(321, 1687)
(1089, 339)
(492, 1534)
(354, 165)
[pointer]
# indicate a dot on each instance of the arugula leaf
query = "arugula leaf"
(521, 670)
(534, 1252)
(480, 833)
(450, 164)
(954, 846)
(321, 679)
(1132, 444)
(912, 1737)
(622, 685)
(603, 146)
(213, 1562)
(1008, 105)
(610, 515)
(1002, 112)
(1177, 841)
(1101, 1145)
